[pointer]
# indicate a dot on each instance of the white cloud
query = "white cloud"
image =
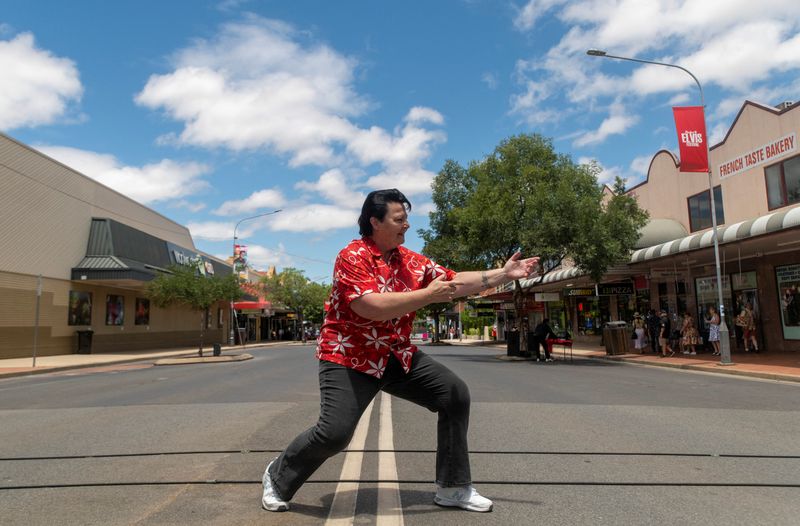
(261, 258)
(490, 79)
(733, 46)
(640, 165)
(259, 84)
(257, 201)
(161, 181)
(36, 87)
(410, 182)
(334, 186)
(217, 231)
(529, 13)
(188, 205)
(314, 218)
(616, 123)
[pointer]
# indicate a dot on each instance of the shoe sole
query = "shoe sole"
(458, 504)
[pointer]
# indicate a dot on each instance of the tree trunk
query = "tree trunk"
(203, 314)
(435, 337)
(522, 318)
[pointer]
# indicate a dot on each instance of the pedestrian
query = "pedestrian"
(689, 335)
(364, 347)
(749, 327)
(712, 320)
(639, 331)
(541, 333)
(653, 323)
(664, 334)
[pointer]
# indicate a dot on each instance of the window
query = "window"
(700, 209)
(783, 183)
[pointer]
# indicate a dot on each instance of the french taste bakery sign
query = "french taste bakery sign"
(762, 155)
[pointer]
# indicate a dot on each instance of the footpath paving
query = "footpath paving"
(767, 365)
(772, 366)
(10, 367)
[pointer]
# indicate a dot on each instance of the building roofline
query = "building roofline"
(95, 181)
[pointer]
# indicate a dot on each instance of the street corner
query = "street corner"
(204, 359)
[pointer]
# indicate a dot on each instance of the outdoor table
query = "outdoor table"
(564, 343)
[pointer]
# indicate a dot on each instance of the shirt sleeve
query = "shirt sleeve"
(434, 270)
(355, 276)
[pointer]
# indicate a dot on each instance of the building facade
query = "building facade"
(85, 253)
(756, 181)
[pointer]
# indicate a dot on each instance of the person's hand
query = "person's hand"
(441, 291)
(517, 268)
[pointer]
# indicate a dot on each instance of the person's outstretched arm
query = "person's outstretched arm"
(476, 281)
(391, 305)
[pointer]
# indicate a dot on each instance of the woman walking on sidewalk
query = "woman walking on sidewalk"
(713, 329)
(638, 329)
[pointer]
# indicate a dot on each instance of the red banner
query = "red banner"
(690, 123)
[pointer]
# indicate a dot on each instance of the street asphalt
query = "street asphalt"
(592, 442)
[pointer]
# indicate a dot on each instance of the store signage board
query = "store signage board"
(547, 296)
(572, 292)
(761, 155)
(614, 289)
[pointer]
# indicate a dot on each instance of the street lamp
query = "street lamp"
(725, 343)
(232, 338)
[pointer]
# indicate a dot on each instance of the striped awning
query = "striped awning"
(769, 223)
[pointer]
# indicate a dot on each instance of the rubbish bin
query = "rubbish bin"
(85, 341)
(616, 337)
(217, 349)
(532, 344)
(512, 343)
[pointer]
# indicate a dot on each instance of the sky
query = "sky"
(212, 111)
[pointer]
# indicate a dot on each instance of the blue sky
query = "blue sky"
(212, 111)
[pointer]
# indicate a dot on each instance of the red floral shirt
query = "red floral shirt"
(361, 344)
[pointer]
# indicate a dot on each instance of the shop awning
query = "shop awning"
(767, 224)
(252, 305)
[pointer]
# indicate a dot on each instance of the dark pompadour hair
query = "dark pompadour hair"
(375, 206)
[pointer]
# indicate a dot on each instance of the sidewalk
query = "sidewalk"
(772, 366)
(47, 364)
(769, 365)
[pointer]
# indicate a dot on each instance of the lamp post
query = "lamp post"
(725, 343)
(234, 319)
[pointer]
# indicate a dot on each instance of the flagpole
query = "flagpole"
(724, 336)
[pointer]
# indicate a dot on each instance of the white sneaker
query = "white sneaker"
(464, 497)
(549, 360)
(270, 500)
(684, 352)
(693, 352)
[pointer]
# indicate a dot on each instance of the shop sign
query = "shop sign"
(484, 312)
(744, 281)
(571, 292)
(251, 311)
(761, 155)
(508, 305)
(547, 296)
(614, 289)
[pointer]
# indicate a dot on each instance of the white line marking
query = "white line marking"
(343, 507)
(390, 510)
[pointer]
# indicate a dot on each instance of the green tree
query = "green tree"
(525, 196)
(434, 311)
(291, 288)
(185, 285)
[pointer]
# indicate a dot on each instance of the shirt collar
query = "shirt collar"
(375, 251)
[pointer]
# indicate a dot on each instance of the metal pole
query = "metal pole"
(36, 318)
(232, 338)
(725, 342)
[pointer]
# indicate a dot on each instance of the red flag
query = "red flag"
(691, 125)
